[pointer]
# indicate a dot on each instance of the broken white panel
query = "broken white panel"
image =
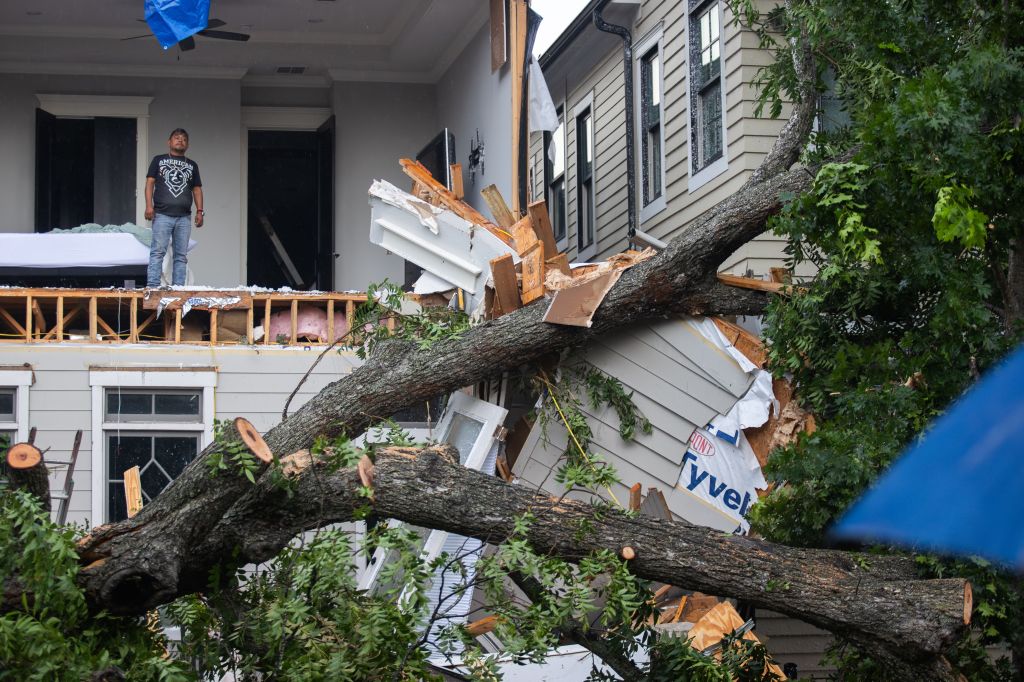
(435, 239)
(750, 411)
(723, 475)
(469, 425)
(429, 283)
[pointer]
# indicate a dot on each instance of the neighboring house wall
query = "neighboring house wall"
(471, 99)
(686, 194)
(253, 382)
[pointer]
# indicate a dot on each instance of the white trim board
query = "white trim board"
(20, 380)
(100, 380)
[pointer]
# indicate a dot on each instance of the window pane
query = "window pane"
(126, 452)
(656, 80)
(590, 140)
(173, 453)
(557, 200)
(123, 402)
(462, 433)
(711, 123)
(713, 14)
(705, 29)
(176, 403)
(7, 404)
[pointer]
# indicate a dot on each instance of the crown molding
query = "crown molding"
(285, 80)
(123, 70)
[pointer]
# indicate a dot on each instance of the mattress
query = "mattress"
(69, 250)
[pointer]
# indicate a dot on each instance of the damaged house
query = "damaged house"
(485, 212)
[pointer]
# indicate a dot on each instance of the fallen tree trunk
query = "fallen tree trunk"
(871, 601)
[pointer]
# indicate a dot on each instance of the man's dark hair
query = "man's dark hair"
(176, 131)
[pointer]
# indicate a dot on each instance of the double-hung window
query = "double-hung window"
(158, 421)
(707, 129)
(585, 199)
(649, 70)
(554, 179)
(14, 414)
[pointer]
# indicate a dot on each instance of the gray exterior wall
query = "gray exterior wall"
(469, 99)
(747, 138)
(253, 382)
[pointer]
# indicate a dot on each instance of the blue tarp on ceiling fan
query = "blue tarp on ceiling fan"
(174, 20)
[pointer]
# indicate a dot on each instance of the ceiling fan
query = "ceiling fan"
(209, 32)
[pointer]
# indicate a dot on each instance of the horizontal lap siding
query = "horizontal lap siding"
(250, 383)
(790, 640)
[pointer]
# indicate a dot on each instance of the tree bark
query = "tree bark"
(34, 479)
(871, 601)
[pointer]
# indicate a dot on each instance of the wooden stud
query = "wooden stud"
(107, 328)
(213, 327)
(635, 497)
(249, 320)
(93, 314)
(133, 320)
(295, 322)
(11, 321)
(177, 326)
(330, 321)
(28, 317)
(253, 440)
(503, 216)
(517, 53)
(266, 322)
(23, 456)
(506, 288)
(455, 172)
(533, 273)
(142, 327)
(60, 319)
(133, 491)
(758, 284)
(502, 466)
(541, 221)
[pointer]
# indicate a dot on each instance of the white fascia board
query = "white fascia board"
(433, 238)
(150, 379)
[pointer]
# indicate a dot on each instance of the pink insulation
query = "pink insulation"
(311, 325)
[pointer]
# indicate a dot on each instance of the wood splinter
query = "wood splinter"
(253, 440)
(627, 553)
(365, 469)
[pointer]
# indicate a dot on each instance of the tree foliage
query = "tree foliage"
(913, 240)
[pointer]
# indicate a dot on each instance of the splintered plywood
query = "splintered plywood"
(506, 288)
(533, 273)
(133, 491)
(499, 53)
(576, 306)
(499, 209)
(541, 221)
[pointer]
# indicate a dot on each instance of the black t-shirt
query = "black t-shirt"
(175, 178)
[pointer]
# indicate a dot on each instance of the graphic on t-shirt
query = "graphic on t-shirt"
(176, 174)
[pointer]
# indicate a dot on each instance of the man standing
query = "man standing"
(171, 184)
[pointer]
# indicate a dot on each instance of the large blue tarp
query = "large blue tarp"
(959, 490)
(174, 20)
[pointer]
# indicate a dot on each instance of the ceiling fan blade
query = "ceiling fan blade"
(215, 23)
(187, 44)
(225, 35)
(144, 35)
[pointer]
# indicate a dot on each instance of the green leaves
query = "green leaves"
(956, 219)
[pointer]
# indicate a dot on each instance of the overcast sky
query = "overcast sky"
(558, 14)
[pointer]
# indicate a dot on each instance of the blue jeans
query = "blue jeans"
(167, 228)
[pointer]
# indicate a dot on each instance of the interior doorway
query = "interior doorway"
(290, 232)
(85, 171)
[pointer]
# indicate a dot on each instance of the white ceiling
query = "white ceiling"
(385, 40)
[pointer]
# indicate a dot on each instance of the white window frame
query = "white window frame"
(719, 166)
(151, 378)
(491, 416)
(654, 39)
(108, 106)
(581, 106)
(20, 380)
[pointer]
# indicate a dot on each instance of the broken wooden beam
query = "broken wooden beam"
(541, 221)
(506, 288)
(503, 215)
(758, 284)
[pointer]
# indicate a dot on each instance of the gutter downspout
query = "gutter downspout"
(627, 72)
